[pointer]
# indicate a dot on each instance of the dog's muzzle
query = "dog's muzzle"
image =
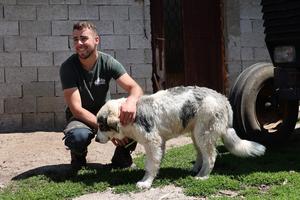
(101, 138)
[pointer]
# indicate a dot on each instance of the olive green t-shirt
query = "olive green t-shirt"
(93, 85)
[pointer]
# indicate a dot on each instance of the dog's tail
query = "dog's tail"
(239, 147)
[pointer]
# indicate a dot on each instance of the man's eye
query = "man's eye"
(83, 39)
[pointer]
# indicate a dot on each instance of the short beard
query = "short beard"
(88, 53)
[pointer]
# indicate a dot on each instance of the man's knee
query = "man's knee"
(78, 139)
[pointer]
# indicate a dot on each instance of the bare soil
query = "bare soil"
(36, 152)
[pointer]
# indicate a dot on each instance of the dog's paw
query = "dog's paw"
(201, 177)
(143, 184)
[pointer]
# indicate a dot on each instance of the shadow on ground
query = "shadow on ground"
(283, 157)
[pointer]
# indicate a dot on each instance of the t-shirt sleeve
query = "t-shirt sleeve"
(67, 76)
(116, 68)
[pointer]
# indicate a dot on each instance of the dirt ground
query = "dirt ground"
(22, 153)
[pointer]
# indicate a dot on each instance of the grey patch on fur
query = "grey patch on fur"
(144, 114)
(102, 122)
(188, 111)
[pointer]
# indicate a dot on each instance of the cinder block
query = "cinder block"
(1, 75)
(233, 41)
(131, 27)
(109, 2)
(148, 56)
(38, 121)
(1, 44)
(15, 43)
(61, 56)
(38, 89)
(10, 90)
(234, 69)
(252, 40)
(53, 12)
(141, 71)
(233, 53)
(58, 89)
(20, 105)
(9, 28)
(247, 53)
(54, 43)
(34, 28)
(10, 122)
(37, 59)
(33, 2)
(258, 26)
(64, 1)
(10, 59)
(50, 104)
(83, 12)
(115, 42)
(62, 28)
(1, 106)
(60, 121)
(20, 75)
(130, 56)
(261, 54)
(149, 86)
(246, 25)
(8, 2)
(113, 12)
(250, 11)
(139, 41)
(48, 74)
(137, 12)
(104, 26)
(20, 12)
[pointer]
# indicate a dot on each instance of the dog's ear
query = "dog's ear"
(114, 123)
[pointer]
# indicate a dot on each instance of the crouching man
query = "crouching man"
(85, 78)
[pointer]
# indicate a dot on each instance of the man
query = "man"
(85, 78)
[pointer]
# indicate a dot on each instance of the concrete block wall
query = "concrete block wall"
(244, 36)
(35, 40)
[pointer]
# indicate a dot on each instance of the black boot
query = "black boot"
(122, 156)
(78, 160)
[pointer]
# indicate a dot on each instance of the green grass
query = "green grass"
(273, 176)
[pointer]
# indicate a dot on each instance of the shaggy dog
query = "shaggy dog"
(173, 112)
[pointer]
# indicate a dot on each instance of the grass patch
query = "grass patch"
(273, 176)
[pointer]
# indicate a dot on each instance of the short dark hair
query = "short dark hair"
(85, 24)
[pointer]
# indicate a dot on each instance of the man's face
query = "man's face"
(85, 42)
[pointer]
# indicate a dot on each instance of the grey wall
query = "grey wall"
(244, 36)
(35, 40)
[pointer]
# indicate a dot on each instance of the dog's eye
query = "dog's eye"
(103, 127)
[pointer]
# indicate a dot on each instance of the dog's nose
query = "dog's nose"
(97, 139)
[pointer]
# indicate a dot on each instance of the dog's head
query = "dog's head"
(109, 122)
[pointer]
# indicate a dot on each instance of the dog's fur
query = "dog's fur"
(170, 113)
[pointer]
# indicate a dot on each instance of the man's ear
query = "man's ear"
(114, 123)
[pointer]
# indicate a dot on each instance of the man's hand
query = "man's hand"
(118, 142)
(127, 112)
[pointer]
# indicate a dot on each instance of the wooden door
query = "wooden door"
(187, 43)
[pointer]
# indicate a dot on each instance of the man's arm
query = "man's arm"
(128, 109)
(73, 100)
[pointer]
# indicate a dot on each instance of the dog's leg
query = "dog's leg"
(206, 141)
(154, 154)
(198, 162)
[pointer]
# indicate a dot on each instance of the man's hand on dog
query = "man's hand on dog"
(127, 112)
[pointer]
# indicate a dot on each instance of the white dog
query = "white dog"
(170, 113)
